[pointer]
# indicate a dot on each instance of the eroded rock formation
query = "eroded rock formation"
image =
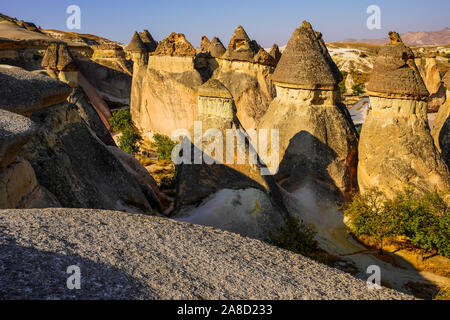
(54, 158)
(431, 76)
(317, 139)
(396, 150)
(275, 52)
(441, 128)
(245, 69)
(164, 91)
(229, 180)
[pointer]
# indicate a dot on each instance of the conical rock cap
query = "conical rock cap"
(306, 63)
(395, 74)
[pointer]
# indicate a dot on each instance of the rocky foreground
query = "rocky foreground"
(131, 256)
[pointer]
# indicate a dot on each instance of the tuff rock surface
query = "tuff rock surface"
(317, 138)
(233, 186)
(158, 259)
(24, 92)
(396, 149)
(441, 128)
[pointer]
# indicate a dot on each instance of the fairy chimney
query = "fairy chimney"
(396, 149)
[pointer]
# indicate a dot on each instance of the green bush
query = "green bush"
(120, 120)
(129, 141)
(294, 236)
(425, 220)
(163, 145)
(358, 89)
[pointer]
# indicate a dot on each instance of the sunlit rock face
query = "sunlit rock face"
(245, 69)
(441, 128)
(431, 76)
(164, 89)
(317, 139)
(224, 187)
(396, 149)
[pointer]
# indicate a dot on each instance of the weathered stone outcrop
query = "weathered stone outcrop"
(160, 259)
(441, 128)
(15, 131)
(431, 76)
(18, 185)
(90, 116)
(275, 52)
(20, 189)
(148, 41)
(245, 69)
(41, 91)
(396, 150)
(205, 45)
(262, 57)
(164, 92)
(317, 139)
(59, 59)
(227, 178)
(175, 45)
(216, 48)
(76, 167)
(241, 48)
(113, 57)
(395, 74)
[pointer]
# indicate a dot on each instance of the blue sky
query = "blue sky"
(266, 21)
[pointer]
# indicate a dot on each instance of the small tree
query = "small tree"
(121, 120)
(425, 220)
(294, 236)
(358, 89)
(163, 145)
(130, 141)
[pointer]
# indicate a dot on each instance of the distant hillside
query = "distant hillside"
(421, 38)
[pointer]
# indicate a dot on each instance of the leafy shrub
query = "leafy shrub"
(425, 220)
(294, 236)
(120, 120)
(129, 141)
(358, 89)
(163, 145)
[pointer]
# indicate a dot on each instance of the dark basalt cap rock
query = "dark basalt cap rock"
(136, 44)
(24, 92)
(241, 48)
(58, 57)
(204, 46)
(175, 45)
(395, 74)
(216, 48)
(446, 80)
(214, 88)
(148, 41)
(306, 63)
(262, 57)
(15, 131)
(275, 52)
